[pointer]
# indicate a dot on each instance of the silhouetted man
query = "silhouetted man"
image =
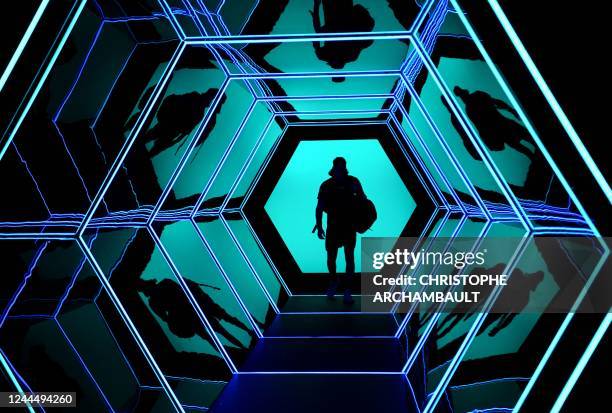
(337, 195)
(341, 16)
(495, 129)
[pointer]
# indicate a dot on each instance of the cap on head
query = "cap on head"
(339, 167)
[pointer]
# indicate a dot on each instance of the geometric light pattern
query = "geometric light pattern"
(137, 153)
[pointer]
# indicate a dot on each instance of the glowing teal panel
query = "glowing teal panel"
(196, 264)
(472, 75)
(292, 204)
(183, 82)
(205, 158)
(252, 132)
(236, 269)
(272, 136)
(263, 268)
(296, 18)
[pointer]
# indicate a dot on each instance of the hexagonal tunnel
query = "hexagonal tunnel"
(281, 207)
(193, 143)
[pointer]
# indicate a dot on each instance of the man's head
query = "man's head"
(462, 93)
(339, 167)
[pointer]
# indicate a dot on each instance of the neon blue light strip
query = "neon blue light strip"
(112, 88)
(394, 310)
(123, 152)
(438, 314)
(561, 330)
(402, 327)
(334, 112)
(217, 262)
(356, 312)
(194, 303)
(22, 285)
(79, 74)
(453, 159)
(228, 228)
(281, 98)
(248, 162)
(425, 9)
(84, 366)
(437, 167)
(192, 145)
(265, 253)
(172, 18)
(418, 171)
(13, 379)
(329, 337)
(322, 74)
(73, 279)
(298, 373)
(23, 43)
(561, 178)
(522, 114)
(468, 128)
(246, 220)
(550, 98)
(603, 327)
(196, 19)
(343, 122)
(480, 383)
(131, 327)
(291, 38)
(429, 155)
(471, 334)
(37, 235)
(43, 77)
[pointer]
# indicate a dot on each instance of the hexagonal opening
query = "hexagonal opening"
(293, 200)
(281, 207)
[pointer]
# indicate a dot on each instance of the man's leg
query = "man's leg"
(349, 257)
(332, 254)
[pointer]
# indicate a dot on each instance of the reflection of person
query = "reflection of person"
(495, 129)
(177, 116)
(512, 299)
(168, 301)
(336, 198)
(340, 16)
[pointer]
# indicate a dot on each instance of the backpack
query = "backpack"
(364, 215)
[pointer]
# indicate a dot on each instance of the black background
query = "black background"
(568, 42)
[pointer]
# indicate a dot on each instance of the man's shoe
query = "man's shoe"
(348, 299)
(331, 291)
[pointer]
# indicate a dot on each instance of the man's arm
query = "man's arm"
(319, 218)
(321, 204)
(359, 189)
